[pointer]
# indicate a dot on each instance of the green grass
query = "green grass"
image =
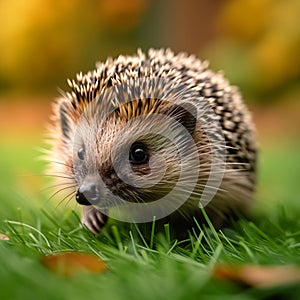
(139, 269)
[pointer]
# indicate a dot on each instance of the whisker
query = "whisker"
(60, 163)
(56, 176)
(59, 191)
(64, 198)
(68, 200)
(55, 186)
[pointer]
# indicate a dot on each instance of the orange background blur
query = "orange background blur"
(42, 43)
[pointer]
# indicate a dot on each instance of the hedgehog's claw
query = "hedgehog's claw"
(93, 219)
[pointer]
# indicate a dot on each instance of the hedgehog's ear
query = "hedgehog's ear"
(186, 114)
(65, 122)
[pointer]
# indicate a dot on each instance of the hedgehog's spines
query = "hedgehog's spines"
(163, 64)
(138, 85)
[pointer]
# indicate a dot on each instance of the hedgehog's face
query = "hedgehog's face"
(116, 160)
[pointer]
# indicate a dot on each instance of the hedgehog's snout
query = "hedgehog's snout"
(88, 194)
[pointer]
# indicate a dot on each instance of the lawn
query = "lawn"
(158, 268)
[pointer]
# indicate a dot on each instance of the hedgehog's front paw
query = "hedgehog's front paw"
(93, 219)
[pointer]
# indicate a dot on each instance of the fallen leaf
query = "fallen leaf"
(4, 237)
(72, 263)
(258, 276)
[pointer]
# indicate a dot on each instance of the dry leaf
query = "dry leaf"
(4, 237)
(258, 276)
(72, 263)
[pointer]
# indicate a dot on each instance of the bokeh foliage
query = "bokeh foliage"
(256, 42)
(43, 42)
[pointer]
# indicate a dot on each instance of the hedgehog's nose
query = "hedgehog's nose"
(88, 194)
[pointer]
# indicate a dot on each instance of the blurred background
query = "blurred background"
(255, 42)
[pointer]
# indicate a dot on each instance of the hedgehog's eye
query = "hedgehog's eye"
(81, 153)
(138, 154)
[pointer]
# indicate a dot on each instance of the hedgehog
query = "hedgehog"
(156, 136)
